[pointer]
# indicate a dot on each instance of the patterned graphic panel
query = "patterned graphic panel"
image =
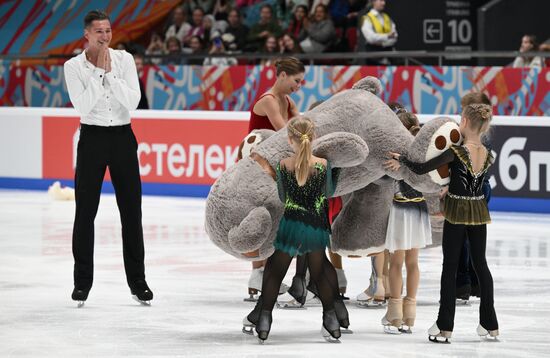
(35, 27)
(428, 90)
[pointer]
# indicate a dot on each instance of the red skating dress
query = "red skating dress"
(262, 122)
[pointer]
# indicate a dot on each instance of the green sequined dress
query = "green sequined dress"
(305, 226)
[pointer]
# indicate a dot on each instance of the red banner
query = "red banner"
(191, 151)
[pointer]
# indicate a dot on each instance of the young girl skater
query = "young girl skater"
(408, 230)
(304, 183)
(272, 110)
(465, 212)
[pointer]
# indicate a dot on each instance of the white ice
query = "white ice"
(199, 290)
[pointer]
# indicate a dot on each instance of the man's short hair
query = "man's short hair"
(95, 15)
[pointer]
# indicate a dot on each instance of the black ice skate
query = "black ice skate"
(342, 315)
(438, 336)
(250, 321)
(142, 293)
(264, 325)
(80, 295)
(296, 295)
(331, 327)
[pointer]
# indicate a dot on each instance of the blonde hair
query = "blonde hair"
(479, 115)
(410, 121)
(301, 130)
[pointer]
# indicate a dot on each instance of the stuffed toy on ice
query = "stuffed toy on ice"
(355, 131)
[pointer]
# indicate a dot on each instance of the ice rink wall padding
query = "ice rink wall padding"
(422, 89)
(183, 152)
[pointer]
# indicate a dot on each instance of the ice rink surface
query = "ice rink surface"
(199, 290)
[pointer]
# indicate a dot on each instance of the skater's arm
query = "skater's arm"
(83, 95)
(420, 168)
(280, 187)
(332, 178)
(126, 88)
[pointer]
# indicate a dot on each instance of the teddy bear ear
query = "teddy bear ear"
(248, 144)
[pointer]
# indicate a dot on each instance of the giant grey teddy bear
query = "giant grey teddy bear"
(355, 131)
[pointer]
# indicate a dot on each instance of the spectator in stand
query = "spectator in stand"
(296, 27)
(197, 27)
(338, 10)
(320, 31)
(208, 22)
(221, 10)
(271, 46)
(207, 6)
(344, 12)
(236, 33)
(196, 45)
(355, 7)
(267, 26)
(314, 4)
(179, 27)
(218, 48)
(174, 55)
(288, 45)
(546, 48)
(528, 44)
(143, 102)
(377, 32)
(156, 47)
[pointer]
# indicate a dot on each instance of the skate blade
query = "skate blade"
(488, 338)
(261, 341)
(439, 339)
(405, 329)
(290, 306)
(143, 303)
(371, 304)
(80, 304)
(345, 330)
(392, 330)
(328, 337)
(252, 298)
(248, 330)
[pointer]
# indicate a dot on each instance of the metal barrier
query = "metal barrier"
(347, 58)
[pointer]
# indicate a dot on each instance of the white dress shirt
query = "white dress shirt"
(103, 99)
(377, 39)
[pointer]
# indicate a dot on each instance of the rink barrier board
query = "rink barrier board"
(541, 206)
(182, 152)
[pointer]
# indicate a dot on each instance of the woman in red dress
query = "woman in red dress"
(272, 110)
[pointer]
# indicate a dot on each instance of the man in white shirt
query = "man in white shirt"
(103, 87)
(377, 32)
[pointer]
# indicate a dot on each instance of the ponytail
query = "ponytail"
(301, 130)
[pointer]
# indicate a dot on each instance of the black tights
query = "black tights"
(453, 240)
(321, 271)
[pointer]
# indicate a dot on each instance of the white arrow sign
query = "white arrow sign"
(433, 31)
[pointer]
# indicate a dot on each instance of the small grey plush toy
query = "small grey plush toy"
(355, 131)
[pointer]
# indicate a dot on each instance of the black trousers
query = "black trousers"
(99, 148)
(466, 274)
(453, 240)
